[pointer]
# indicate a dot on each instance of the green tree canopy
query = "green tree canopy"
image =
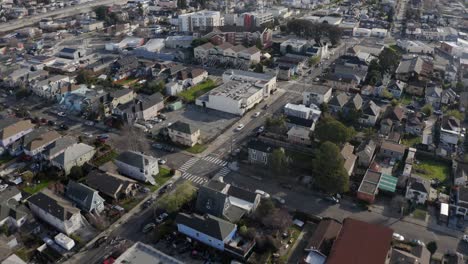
(198, 42)
(432, 247)
(173, 201)
(330, 174)
(85, 77)
(389, 60)
(427, 109)
(279, 162)
(330, 129)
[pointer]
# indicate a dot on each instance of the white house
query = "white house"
(56, 211)
(74, 155)
(12, 212)
(39, 144)
(12, 129)
(450, 130)
(138, 166)
(418, 190)
(317, 94)
(50, 87)
(184, 134)
(269, 81)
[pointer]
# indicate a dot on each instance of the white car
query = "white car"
(239, 127)
(148, 126)
(263, 194)
(257, 114)
(162, 161)
(465, 238)
(89, 123)
(88, 135)
(418, 242)
(61, 114)
(279, 199)
(398, 237)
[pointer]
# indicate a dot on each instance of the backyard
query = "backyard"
(432, 169)
(411, 141)
(198, 148)
(163, 176)
(191, 94)
(36, 187)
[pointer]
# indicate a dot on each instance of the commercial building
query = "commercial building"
(200, 20)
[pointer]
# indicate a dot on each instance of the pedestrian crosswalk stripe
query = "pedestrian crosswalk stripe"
(188, 164)
(215, 160)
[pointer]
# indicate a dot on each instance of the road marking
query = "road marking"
(188, 164)
(194, 178)
(223, 172)
(215, 160)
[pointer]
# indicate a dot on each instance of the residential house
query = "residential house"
(50, 87)
(124, 67)
(85, 198)
(143, 253)
(433, 95)
(184, 79)
(370, 114)
(41, 142)
(58, 147)
(111, 185)
(460, 173)
(259, 152)
(12, 212)
(386, 126)
(418, 254)
(324, 236)
(392, 150)
(317, 94)
(75, 155)
(337, 103)
(12, 129)
(416, 87)
(226, 201)
(227, 53)
(366, 152)
(290, 65)
(361, 243)
(71, 53)
(56, 211)
(299, 134)
(184, 134)
(141, 108)
(396, 88)
(214, 232)
(138, 166)
(450, 130)
(395, 114)
(343, 103)
(349, 158)
(415, 124)
(418, 190)
(414, 68)
(449, 96)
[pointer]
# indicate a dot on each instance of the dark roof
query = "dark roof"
(294, 120)
(339, 100)
(361, 243)
(9, 206)
(81, 194)
(53, 205)
(152, 100)
(371, 109)
(242, 194)
(450, 123)
(327, 230)
(209, 225)
(183, 127)
(216, 185)
(68, 50)
(106, 183)
(120, 92)
(135, 159)
(462, 194)
(260, 146)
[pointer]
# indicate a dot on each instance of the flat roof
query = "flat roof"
(388, 183)
(444, 209)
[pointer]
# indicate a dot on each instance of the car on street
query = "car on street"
(398, 237)
(161, 161)
(51, 123)
(257, 114)
(438, 112)
(162, 116)
(263, 194)
(332, 199)
(103, 136)
(161, 218)
(89, 123)
(64, 127)
(157, 146)
(261, 129)
(87, 134)
(278, 199)
(239, 127)
(100, 241)
(62, 114)
(148, 227)
(418, 242)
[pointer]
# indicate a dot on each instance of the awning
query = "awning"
(388, 183)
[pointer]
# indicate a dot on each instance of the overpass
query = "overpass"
(58, 13)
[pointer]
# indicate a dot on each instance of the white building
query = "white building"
(227, 53)
(293, 45)
(450, 130)
(56, 211)
(414, 46)
(379, 32)
(138, 166)
(301, 111)
(235, 97)
(202, 20)
(318, 95)
(268, 80)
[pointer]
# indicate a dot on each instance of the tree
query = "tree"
(313, 60)
(152, 87)
(258, 44)
(427, 109)
(389, 60)
(102, 12)
(394, 102)
(276, 124)
(76, 173)
(258, 68)
(172, 202)
(265, 208)
(386, 94)
(329, 171)
(85, 77)
(333, 130)
(198, 42)
(455, 113)
(390, 14)
(432, 247)
(27, 176)
(279, 219)
(182, 4)
(279, 161)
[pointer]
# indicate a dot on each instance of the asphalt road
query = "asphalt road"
(62, 12)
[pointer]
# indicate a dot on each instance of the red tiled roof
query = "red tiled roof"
(361, 243)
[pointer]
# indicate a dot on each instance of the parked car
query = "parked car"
(332, 199)
(398, 237)
(100, 241)
(263, 193)
(278, 199)
(103, 136)
(147, 228)
(261, 129)
(162, 116)
(257, 114)
(87, 134)
(239, 127)
(161, 218)
(51, 123)
(465, 238)
(162, 161)
(438, 112)
(157, 146)
(62, 114)
(64, 127)
(89, 123)
(418, 242)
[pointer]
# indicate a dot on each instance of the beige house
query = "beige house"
(184, 134)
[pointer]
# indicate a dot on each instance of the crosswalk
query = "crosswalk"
(223, 172)
(215, 160)
(189, 163)
(194, 178)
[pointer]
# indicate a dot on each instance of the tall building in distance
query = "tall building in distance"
(200, 20)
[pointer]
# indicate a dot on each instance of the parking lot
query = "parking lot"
(210, 122)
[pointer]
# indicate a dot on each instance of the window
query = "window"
(197, 234)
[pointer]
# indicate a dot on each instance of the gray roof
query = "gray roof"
(208, 224)
(108, 184)
(135, 159)
(367, 147)
(53, 205)
(83, 195)
(72, 153)
(419, 184)
(183, 127)
(371, 109)
(141, 253)
(260, 146)
(340, 100)
(59, 145)
(242, 194)
(9, 207)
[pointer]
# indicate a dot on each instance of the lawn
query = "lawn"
(406, 99)
(5, 158)
(430, 169)
(191, 94)
(111, 155)
(129, 203)
(198, 148)
(420, 214)
(128, 81)
(411, 141)
(34, 188)
(163, 176)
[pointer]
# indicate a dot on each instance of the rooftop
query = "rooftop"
(142, 253)
(210, 225)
